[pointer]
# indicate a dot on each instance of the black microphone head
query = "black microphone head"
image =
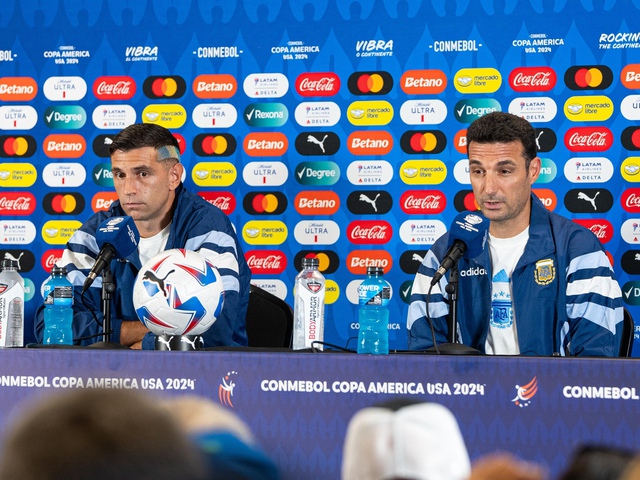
(472, 228)
(121, 233)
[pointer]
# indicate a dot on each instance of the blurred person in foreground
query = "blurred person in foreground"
(595, 462)
(543, 285)
(147, 175)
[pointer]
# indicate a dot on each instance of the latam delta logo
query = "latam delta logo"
(525, 393)
(225, 389)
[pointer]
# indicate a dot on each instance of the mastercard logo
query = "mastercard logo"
(17, 146)
(588, 77)
(219, 145)
(164, 87)
(423, 141)
(328, 261)
(63, 203)
(370, 83)
(265, 203)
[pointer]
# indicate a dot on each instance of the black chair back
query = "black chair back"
(269, 320)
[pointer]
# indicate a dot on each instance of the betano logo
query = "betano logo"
(376, 112)
(17, 175)
(219, 145)
(172, 86)
(547, 197)
(214, 174)
(588, 77)
(69, 89)
(57, 203)
(370, 142)
(359, 260)
(64, 146)
(214, 86)
(65, 117)
(477, 80)
(265, 144)
(370, 83)
(58, 232)
(419, 142)
(630, 169)
(17, 146)
(630, 76)
(18, 89)
(317, 173)
(460, 141)
(265, 232)
(317, 202)
(265, 203)
(423, 172)
(595, 108)
(423, 82)
(167, 115)
(266, 114)
(102, 201)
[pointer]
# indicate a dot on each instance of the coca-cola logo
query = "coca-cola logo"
(423, 202)
(601, 228)
(592, 139)
(114, 88)
(50, 257)
(17, 203)
(631, 200)
(369, 232)
(532, 79)
(225, 201)
(266, 262)
(318, 84)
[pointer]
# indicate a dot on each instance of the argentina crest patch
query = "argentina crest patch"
(545, 272)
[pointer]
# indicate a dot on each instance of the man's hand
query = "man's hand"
(131, 334)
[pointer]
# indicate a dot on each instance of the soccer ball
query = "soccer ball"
(178, 292)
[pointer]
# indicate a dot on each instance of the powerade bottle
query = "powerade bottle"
(308, 308)
(11, 305)
(374, 294)
(58, 309)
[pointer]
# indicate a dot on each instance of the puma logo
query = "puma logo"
(320, 143)
(364, 198)
(166, 343)
(149, 275)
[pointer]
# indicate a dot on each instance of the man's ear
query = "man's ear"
(176, 172)
(534, 169)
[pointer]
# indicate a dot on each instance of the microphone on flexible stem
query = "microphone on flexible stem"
(467, 238)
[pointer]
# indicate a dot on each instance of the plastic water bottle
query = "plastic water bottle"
(374, 294)
(308, 309)
(11, 305)
(58, 309)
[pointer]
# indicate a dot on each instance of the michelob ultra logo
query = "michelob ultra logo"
(167, 115)
(214, 174)
(18, 117)
(65, 117)
(630, 169)
(265, 232)
(423, 82)
(423, 172)
(466, 111)
(477, 80)
(316, 232)
(317, 173)
(218, 145)
(164, 87)
(377, 112)
(18, 89)
(266, 114)
(595, 108)
(58, 232)
(423, 112)
(214, 86)
(65, 174)
(64, 145)
(630, 107)
(70, 89)
(17, 175)
(219, 115)
(17, 146)
(265, 173)
(265, 144)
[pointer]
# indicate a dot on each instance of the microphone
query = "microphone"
(117, 237)
(467, 237)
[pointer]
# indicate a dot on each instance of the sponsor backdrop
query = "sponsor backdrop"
(334, 129)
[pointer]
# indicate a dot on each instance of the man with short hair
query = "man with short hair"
(147, 175)
(544, 284)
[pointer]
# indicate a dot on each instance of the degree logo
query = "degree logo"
(17, 146)
(317, 202)
(266, 144)
(370, 83)
(359, 260)
(214, 86)
(317, 173)
(101, 201)
(219, 145)
(265, 203)
(58, 203)
(328, 260)
(18, 89)
(423, 82)
(214, 174)
(630, 138)
(370, 142)
(317, 143)
(419, 142)
(65, 117)
(588, 77)
(64, 146)
(59, 232)
(466, 111)
(164, 87)
(17, 174)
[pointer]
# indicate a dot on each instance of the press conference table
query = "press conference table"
(299, 404)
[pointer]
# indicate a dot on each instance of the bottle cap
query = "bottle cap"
(9, 264)
(56, 270)
(375, 271)
(310, 262)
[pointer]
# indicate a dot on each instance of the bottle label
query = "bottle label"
(59, 295)
(12, 316)
(311, 307)
(374, 294)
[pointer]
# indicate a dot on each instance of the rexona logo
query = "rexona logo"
(266, 262)
(18, 89)
(214, 86)
(214, 174)
(630, 107)
(378, 112)
(630, 138)
(218, 145)
(317, 202)
(101, 145)
(369, 202)
(423, 202)
(410, 260)
(219, 115)
(630, 200)
(102, 175)
(477, 80)
(113, 117)
(317, 232)
(321, 84)
(114, 88)
(370, 172)
(265, 174)
(423, 172)
(172, 86)
(547, 197)
(423, 112)
(317, 114)
(532, 79)
(265, 232)
(588, 77)
(102, 201)
(265, 85)
(328, 260)
(360, 260)
(374, 232)
(21, 232)
(594, 108)
(70, 89)
(68, 117)
(630, 231)
(423, 82)
(59, 232)
(630, 76)
(317, 143)
(64, 146)
(17, 175)
(167, 115)
(370, 83)
(600, 227)
(17, 203)
(534, 109)
(545, 139)
(266, 114)
(25, 258)
(370, 142)
(419, 142)
(588, 200)
(466, 111)
(630, 169)
(266, 144)
(18, 117)
(17, 146)
(225, 201)
(317, 173)
(57, 203)
(265, 203)
(548, 171)
(585, 139)
(588, 170)
(421, 232)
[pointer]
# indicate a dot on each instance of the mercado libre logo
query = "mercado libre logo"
(525, 393)
(225, 389)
